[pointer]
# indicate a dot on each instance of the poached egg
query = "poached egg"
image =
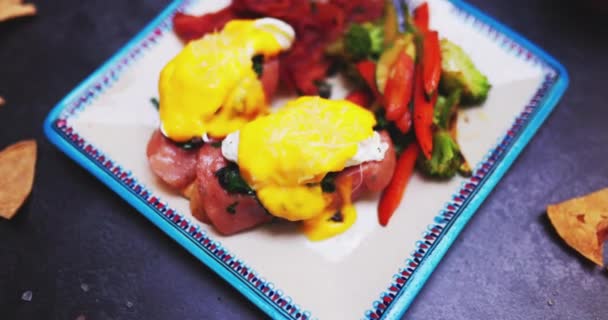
(210, 87)
(284, 156)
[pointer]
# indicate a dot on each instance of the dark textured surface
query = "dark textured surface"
(507, 263)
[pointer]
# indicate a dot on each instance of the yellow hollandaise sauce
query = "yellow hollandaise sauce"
(285, 155)
(335, 219)
(210, 87)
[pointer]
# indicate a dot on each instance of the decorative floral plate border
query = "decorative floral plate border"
(408, 281)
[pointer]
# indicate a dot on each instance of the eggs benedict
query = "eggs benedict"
(290, 157)
(211, 88)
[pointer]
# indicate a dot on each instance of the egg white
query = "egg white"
(370, 149)
(282, 32)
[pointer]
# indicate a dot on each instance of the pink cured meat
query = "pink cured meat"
(215, 201)
(212, 201)
(270, 78)
(172, 164)
(372, 176)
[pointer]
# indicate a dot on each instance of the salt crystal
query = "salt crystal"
(27, 296)
(129, 304)
(84, 287)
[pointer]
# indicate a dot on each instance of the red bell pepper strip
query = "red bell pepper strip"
(421, 16)
(360, 97)
(392, 195)
(431, 62)
(423, 116)
(367, 70)
(398, 91)
(404, 124)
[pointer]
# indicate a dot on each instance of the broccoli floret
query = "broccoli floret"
(459, 72)
(364, 41)
(445, 110)
(446, 158)
(444, 119)
(465, 169)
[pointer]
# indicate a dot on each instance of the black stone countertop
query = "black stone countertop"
(506, 264)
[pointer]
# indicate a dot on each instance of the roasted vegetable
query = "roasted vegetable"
(360, 97)
(431, 61)
(398, 91)
(391, 24)
(364, 41)
(421, 16)
(459, 72)
(336, 48)
(389, 56)
(392, 195)
(445, 110)
(445, 119)
(446, 158)
(423, 114)
(367, 71)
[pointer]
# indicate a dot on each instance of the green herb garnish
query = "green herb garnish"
(337, 217)
(323, 88)
(381, 121)
(155, 103)
(232, 207)
(190, 145)
(230, 179)
(328, 184)
(258, 64)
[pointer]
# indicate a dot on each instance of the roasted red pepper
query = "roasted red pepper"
(431, 62)
(398, 91)
(367, 70)
(404, 124)
(360, 97)
(392, 195)
(190, 27)
(423, 115)
(421, 16)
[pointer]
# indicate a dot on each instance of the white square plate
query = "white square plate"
(369, 272)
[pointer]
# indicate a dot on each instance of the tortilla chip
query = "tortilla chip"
(17, 166)
(583, 223)
(15, 8)
(2, 101)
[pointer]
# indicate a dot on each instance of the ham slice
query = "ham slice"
(194, 172)
(372, 176)
(228, 213)
(270, 78)
(172, 164)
